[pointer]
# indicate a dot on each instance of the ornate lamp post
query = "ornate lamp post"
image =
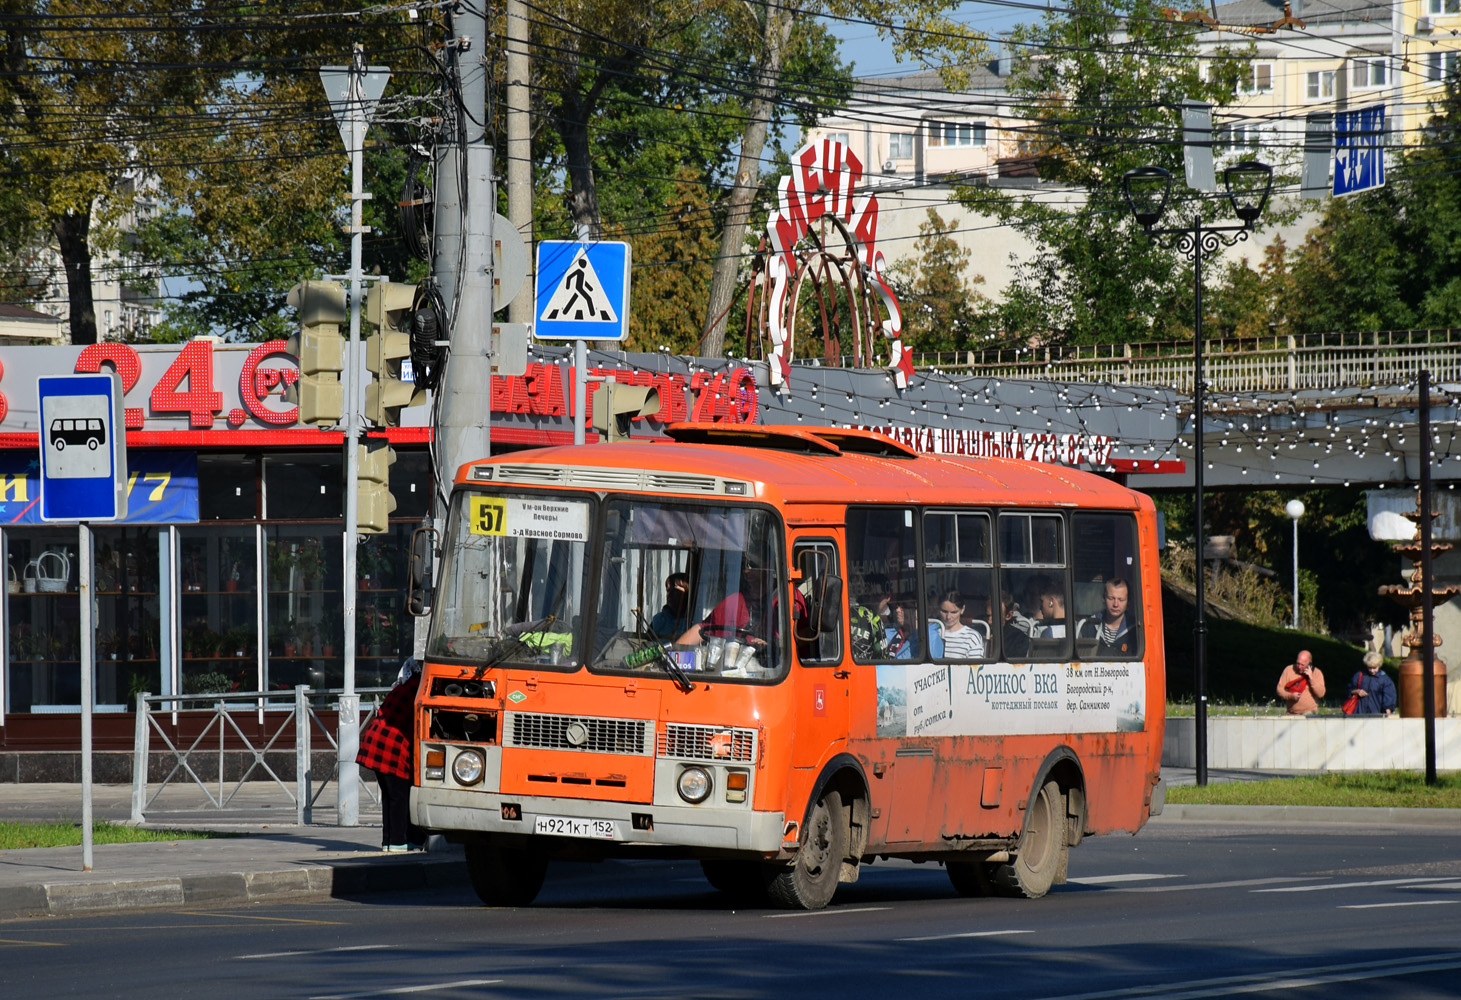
(1147, 190)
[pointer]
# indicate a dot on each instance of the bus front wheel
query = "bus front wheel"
(1040, 856)
(809, 881)
(505, 876)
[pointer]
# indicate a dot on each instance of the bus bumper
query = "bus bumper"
(456, 810)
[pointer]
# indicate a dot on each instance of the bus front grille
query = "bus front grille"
(578, 732)
(707, 743)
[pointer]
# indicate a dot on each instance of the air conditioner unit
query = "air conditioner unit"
(889, 167)
(1423, 25)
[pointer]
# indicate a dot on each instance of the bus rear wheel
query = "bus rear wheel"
(810, 880)
(1040, 856)
(505, 876)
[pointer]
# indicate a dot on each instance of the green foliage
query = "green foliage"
(16, 835)
(1109, 103)
(1376, 790)
(941, 312)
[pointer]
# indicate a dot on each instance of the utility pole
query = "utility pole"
(465, 206)
(519, 147)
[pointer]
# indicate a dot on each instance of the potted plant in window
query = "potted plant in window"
(329, 627)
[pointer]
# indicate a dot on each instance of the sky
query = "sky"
(873, 57)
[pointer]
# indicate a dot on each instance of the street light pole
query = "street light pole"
(1295, 510)
(1147, 190)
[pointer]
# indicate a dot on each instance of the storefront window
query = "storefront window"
(302, 613)
(218, 608)
(43, 637)
(299, 487)
(128, 660)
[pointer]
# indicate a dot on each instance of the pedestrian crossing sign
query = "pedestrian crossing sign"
(582, 291)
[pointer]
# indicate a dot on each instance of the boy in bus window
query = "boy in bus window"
(1052, 612)
(1114, 629)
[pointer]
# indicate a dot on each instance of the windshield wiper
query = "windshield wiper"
(671, 667)
(516, 638)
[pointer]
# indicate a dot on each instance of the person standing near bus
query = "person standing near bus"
(955, 640)
(386, 748)
(674, 618)
(1301, 684)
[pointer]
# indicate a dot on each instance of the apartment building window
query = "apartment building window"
(900, 146)
(1445, 7)
(1321, 84)
(956, 133)
(836, 137)
(1372, 71)
(1237, 137)
(1257, 78)
(1440, 65)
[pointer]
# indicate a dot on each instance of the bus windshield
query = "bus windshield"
(694, 587)
(512, 574)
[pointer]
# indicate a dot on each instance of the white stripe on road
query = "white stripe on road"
(967, 934)
(428, 988)
(1413, 902)
(1128, 877)
(320, 951)
(1359, 885)
(1235, 884)
(1289, 979)
(829, 913)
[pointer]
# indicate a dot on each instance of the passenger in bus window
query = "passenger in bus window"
(1014, 635)
(954, 640)
(1115, 629)
(674, 618)
(1052, 612)
(898, 634)
(869, 639)
(748, 615)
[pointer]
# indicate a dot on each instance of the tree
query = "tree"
(672, 262)
(1103, 82)
(923, 31)
(941, 312)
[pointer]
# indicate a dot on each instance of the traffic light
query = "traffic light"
(388, 306)
(373, 500)
(320, 348)
(616, 405)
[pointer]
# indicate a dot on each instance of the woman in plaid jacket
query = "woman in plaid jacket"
(385, 748)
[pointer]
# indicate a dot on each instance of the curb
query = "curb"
(1443, 819)
(58, 899)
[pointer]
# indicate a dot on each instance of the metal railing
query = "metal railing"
(1276, 363)
(287, 721)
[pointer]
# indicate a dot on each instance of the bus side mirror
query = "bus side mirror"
(418, 593)
(829, 611)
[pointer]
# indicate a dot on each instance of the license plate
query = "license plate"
(562, 826)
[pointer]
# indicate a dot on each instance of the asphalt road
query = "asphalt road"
(1183, 910)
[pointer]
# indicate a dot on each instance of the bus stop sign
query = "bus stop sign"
(83, 448)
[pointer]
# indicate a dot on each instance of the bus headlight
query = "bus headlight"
(467, 768)
(694, 784)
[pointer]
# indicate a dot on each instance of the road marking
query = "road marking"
(1413, 902)
(318, 951)
(1188, 887)
(828, 913)
(966, 934)
(1358, 885)
(427, 988)
(272, 920)
(1288, 979)
(36, 944)
(1128, 877)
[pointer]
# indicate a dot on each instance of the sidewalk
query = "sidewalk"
(270, 858)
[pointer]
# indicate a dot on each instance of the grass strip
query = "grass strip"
(15, 835)
(1377, 789)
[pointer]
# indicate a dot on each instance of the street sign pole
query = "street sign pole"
(88, 666)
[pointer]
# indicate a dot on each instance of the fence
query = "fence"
(1248, 364)
(296, 721)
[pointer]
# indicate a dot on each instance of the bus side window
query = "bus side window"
(884, 619)
(818, 630)
(1035, 572)
(1104, 559)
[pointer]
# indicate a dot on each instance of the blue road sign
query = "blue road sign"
(83, 448)
(1359, 150)
(582, 291)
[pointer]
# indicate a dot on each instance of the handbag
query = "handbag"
(1353, 701)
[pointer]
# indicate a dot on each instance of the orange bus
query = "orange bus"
(863, 652)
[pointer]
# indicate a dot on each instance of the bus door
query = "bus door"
(821, 683)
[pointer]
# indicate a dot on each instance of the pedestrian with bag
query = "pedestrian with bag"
(1371, 691)
(1301, 685)
(386, 745)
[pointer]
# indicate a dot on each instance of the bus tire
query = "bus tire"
(810, 879)
(505, 876)
(742, 882)
(971, 878)
(1040, 855)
